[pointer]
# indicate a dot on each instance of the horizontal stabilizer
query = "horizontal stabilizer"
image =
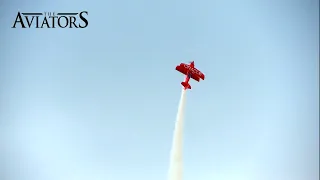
(186, 85)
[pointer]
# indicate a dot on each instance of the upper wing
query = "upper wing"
(181, 68)
(194, 76)
(198, 73)
(194, 73)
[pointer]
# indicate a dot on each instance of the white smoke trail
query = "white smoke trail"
(175, 169)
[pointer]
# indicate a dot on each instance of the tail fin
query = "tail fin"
(186, 85)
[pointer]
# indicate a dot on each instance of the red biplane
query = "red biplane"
(191, 72)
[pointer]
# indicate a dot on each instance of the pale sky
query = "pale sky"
(100, 103)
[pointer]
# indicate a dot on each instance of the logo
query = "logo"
(193, 70)
(51, 20)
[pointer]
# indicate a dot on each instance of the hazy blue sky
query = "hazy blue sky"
(100, 103)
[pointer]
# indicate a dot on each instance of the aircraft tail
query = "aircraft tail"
(186, 85)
